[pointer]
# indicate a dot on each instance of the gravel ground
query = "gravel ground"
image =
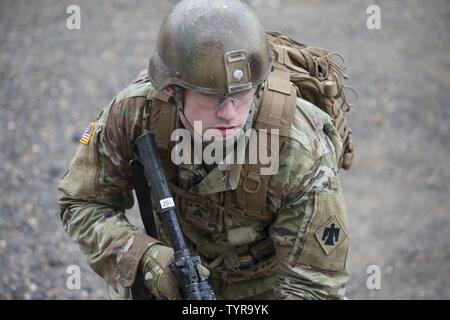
(53, 81)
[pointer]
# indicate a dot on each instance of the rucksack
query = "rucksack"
(319, 79)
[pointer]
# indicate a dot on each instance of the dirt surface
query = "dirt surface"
(54, 81)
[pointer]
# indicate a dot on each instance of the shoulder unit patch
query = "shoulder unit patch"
(331, 235)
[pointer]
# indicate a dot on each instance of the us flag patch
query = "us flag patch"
(88, 134)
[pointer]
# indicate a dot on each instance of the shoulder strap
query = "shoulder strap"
(160, 119)
(276, 111)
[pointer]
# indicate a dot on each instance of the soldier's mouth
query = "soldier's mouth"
(225, 131)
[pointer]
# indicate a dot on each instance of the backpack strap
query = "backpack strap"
(276, 111)
(160, 119)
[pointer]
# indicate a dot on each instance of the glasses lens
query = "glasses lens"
(237, 99)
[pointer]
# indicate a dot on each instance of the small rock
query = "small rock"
(11, 125)
(377, 119)
(35, 148)
(33, 287)
(389, 269)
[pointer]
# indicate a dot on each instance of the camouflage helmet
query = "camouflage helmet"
(211, 46)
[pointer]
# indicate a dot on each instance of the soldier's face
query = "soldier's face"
(226, 114)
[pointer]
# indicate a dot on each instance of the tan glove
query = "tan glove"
(158, 277)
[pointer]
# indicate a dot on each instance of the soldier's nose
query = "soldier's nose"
(227, 111)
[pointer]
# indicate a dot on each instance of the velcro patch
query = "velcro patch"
(88, 134)
(331, 235)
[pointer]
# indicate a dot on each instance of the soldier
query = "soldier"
(278, 236)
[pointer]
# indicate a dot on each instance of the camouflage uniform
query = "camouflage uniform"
(306, 221)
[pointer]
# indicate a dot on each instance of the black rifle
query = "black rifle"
(193, 285)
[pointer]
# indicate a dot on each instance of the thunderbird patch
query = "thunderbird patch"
(331, 235)
(88, 134)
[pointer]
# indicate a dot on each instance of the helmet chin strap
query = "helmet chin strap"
(179, 101)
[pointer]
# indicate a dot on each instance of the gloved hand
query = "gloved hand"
(158, 277)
